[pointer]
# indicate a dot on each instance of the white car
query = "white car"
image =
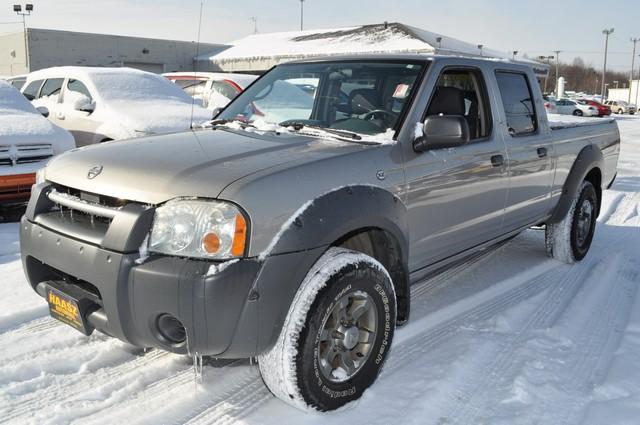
(101, 104)
(16, 81)
(213, 89)
(571, 107)
(27, 142)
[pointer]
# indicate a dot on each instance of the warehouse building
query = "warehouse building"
(631, 95)
(259, 52)
(47, 48)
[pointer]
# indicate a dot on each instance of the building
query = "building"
(47, 48)
(259, 52)
(623, 94)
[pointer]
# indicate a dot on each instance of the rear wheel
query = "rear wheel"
(337, 333)
(577, 113)
(620, 111)
(570, 239)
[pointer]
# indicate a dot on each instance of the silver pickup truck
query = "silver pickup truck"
(291, 228)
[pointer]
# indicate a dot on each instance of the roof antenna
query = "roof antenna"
(195, 63)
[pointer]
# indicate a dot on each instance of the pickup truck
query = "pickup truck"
(292, 231)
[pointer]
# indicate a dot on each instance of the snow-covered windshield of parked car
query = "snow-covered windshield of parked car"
(347, 98)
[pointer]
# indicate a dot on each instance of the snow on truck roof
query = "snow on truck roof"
(118, 83)
(365, 39)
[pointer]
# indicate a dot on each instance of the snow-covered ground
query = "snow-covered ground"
(510, 337)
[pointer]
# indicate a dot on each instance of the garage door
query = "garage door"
(157, 68)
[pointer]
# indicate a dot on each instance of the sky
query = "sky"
(537, 27)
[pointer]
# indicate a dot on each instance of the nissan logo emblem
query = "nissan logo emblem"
(94, 171)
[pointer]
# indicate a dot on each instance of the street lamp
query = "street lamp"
(28, 8)
(607, 33)
(633, 62)
(301, 14)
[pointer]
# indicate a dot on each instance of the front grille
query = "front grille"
(11, 155)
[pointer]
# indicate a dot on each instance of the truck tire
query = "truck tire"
(337, 333)
(569, 240)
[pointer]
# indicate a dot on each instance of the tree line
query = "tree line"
(581, 77)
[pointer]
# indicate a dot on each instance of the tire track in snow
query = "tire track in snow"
(70, 387)
(472, 400)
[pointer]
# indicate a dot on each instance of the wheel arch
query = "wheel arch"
(587, 166)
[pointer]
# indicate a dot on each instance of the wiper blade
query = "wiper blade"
(297, 126)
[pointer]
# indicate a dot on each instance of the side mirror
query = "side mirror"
(216, 111)
(442, 131)
(43, 110)
(87, 107)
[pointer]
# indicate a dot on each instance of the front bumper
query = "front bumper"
(220, 312)
(213, 309)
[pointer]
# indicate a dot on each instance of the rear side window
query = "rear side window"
(78, 86)
(517, 100)
(31, 91)
(52, 87)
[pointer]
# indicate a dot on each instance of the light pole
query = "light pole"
(607, 33)
(301, 15)
(28, 8)
(557, 52)
(515, 53)
(480, 47)
(633, 62)
(255, 24)
(638, 84)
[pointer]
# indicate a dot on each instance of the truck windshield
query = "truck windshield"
(357, 97)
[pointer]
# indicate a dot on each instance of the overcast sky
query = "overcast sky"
(536, 27)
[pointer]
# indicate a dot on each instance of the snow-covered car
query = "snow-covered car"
(27, 141)
(571, 107)
(621, 107)
(101, 104)
(550, 104)
(16, 81)
(214, 89)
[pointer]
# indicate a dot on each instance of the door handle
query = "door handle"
(497, 160)
(542, 152)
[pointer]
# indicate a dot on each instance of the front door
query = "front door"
(76, 113)
(456, 197)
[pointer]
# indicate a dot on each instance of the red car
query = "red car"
(603, 110)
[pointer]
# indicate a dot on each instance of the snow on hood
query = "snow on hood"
(21, 123)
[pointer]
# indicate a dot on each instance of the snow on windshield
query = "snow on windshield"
(12, 100)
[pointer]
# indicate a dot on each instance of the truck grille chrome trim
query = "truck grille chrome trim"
(12, 155)
(75, 203)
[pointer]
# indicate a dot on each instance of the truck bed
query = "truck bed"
(559, 121)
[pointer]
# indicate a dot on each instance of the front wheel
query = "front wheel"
(337, 333)
(577, 113)
(570, 239)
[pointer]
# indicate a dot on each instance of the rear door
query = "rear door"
(529, 151)
(456, 197)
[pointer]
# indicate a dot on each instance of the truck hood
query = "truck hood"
(188, 164)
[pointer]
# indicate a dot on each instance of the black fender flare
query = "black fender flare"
(308, 233)
(589, 158)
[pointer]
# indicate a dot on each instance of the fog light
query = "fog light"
(171, 329)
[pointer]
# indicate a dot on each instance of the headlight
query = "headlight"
(41, 175)
(203, 229)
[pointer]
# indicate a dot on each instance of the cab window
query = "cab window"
(517, 101)
(463, 92)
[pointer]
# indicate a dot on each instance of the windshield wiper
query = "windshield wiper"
(297, 126)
